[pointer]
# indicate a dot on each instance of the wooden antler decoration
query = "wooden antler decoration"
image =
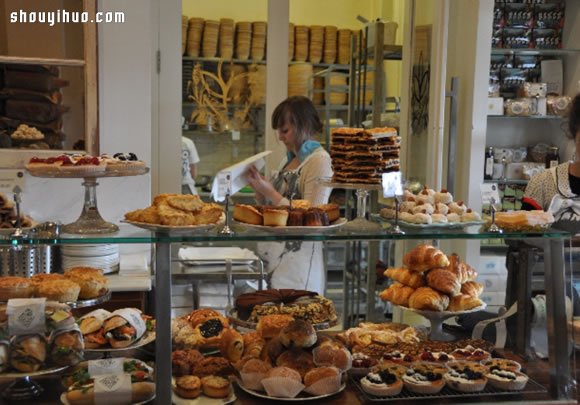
(211, 93)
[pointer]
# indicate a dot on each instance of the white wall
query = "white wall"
(125, 100)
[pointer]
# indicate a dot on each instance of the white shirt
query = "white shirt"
(189, 156)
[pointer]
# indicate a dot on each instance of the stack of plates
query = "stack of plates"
(329, 44)
(105, 257)
(290, 42)
(226, 38)
(184, 25)
(240, 83)
(258, 40)
(194, 33)
(337, 97)
(300, 79)
(316, 42)
(257, 84)
(243, 40)
(301, 43)
(318, 93)
(210, 39)
(344, 46)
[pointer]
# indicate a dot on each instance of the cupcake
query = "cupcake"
(283, 382)
(382, 384)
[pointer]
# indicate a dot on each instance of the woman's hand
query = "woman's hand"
(262, 187)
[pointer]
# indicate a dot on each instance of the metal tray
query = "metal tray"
(90, 302)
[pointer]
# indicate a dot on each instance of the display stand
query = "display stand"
(23, 387)
(90, 221)
(360, 223)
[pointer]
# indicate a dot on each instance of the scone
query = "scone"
(93, 283)
(215, 387)
(188, 386)
(59, 290)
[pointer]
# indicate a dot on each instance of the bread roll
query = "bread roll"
(299, 334)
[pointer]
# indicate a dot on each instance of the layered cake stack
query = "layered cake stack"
(363, 155)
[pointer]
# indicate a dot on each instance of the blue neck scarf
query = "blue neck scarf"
(305, 150)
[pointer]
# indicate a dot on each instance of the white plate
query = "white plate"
(303, 396)
(176, 230)
(65, 401)
(147, 338)
(297, 230)
(438, 225)
(46, 371)
(202, 399)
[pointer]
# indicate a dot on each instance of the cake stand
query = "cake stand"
(360, 223)
(90, 221)
(436, 318)
(23, 387)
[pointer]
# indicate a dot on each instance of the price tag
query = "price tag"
(26, 316)
(113, 389)
(392, 184)
(224, 185)
(10, 178)
(489, 192)
(106, 366)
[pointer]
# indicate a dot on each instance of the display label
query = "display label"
(489, 193)
(26, 316)
(10, 178)
(113, 389)
(392, 184)
(106, 366)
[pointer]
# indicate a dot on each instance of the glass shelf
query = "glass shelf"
(130, 234)
(534, 51)
(507, 181)
(531, 117)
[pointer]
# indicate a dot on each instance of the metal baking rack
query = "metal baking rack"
(226, 270)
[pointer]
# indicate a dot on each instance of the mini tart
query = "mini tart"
(502, 364)
(437, 357)
(398, 357)
(382, 384)
(361, 364)
(471, 353)
(465, 376)
(215, 387)
(59, 290)
(394, 368)
(188, 386)
(93, 283)
(425, 378)
(275, 217)
(507, 380)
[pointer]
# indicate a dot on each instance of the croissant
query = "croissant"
(462, 270)
(464, 302)
(405, 276)
(253, 344)
(398, 294)
(443, 281)
(425, 257)
(428, 299)
(472, 288)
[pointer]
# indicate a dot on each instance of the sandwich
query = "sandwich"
(58, 316)
(91, 327)
(4, 355)
(67, 347)
(124, 327)
(27, 352)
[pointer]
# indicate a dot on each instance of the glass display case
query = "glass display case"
(557, 374)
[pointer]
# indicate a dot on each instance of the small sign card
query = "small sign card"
(392, 184)
(113, 389)
(26, 316)
(489, 191)
(106, 366)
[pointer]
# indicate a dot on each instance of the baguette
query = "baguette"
(85, 395)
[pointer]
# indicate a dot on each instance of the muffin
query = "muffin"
(59, 290)
(92, 282)
(188, 386)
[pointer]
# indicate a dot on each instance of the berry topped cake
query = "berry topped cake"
(123, 161)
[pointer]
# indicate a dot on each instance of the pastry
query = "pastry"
(507, 380)
(299, 360)
(472, 288)
(426, 298)
(406, 217)
(466, 376)
(398, 294)
(210, 332)
(421, 218)
(453, 217)
(319, 373)
(394, 368)
(246, 303)
(185, 202)
(425, 378)
(441, 208)
(59, 290)
(361, 364)
(248, 214)
(253, 344)
(464, 302)
(211, 366)
(301, 204)
(398, 357)
(425, 257)
(407, 206)
(201, 315)
(188, 386)
(437, 357)
(298, 334)
(443, 281)
(332, 353)
(269, 326)
(38, 279)
(316, 217)
(215, 387)
(284, 372)
(332, 211)
(443, 197)
(423, 207)
(426, 196)
(408, 195)
(502, 364)
(471, 353)
(275, 217)
(437, 218)
(15, 287)
(296, 217)
(182, 361)
(388, 213)
(316, 309)
(405, 276)
(470, 216)
(458, 208)
(232, 345)
(382, 384)
(92, 282)
(255, 366)
(462, 270)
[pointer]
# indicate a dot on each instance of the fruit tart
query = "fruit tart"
(466, 376)
(425, 378)
(471, 353)
(382, 383)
